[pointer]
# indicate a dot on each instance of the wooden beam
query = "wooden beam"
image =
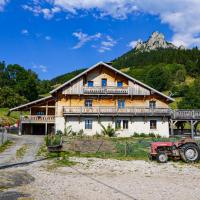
(46, 127)
(171, 127)
(192, 129)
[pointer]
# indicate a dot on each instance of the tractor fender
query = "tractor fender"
(194, 143)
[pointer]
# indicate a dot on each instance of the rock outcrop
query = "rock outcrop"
(156, 41)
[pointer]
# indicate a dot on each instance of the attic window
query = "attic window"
(119, 84)
(90, 83)
(152, 104)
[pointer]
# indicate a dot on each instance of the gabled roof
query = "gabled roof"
(116, 70)
(31, 103)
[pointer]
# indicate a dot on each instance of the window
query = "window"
(90, 83)
(40, 113)
(88, 103)
(121, 103)
(104, 82)
(153, 124)
(88, 124)
(125, 124)
(119, 84)
(152, 104)
(118, 124)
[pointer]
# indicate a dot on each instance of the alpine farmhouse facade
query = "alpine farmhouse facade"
(101, 95)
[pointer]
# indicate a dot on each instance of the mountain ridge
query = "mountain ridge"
(156, 41)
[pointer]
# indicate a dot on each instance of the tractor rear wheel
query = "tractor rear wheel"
(162, 157)
(190, 153)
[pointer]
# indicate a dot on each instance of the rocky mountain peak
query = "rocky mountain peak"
(155, 41)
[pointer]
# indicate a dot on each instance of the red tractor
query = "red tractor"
(185, 149)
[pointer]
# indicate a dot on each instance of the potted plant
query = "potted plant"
(54, 142)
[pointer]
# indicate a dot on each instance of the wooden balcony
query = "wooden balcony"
(38, 119)
(105, 90)
(111, 111)
(186, 114)
(109, 90)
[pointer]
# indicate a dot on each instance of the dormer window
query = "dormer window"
(119, 84)
(104, 82)
(90, 83)
(152, 104)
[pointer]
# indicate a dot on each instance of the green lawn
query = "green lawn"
(133, 148)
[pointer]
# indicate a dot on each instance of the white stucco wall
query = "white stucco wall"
(59, 124)
(135, 125)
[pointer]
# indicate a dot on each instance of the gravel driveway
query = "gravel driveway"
(32, 143)
(99, 179)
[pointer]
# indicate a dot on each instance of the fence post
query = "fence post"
(2, 137)
(192, 129)
(125, 149)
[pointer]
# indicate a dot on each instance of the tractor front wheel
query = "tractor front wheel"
(162, 158)
(190, 153)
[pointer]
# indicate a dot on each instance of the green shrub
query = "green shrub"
(74, 133)
(68, 131)
(59, 132)
(80, 133)
(53, 140)
(108, 131)
(136, 135)
(143, 135)
(152, 135)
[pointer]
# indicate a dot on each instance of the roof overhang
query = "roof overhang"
(27, 105)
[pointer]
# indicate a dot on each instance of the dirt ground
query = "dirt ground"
(99, 179)
(32, 142)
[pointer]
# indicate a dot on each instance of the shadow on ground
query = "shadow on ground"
(12, 195)
(10, 180)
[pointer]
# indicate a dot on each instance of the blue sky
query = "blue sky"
(53, 37)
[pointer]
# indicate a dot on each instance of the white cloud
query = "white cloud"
(183, 16)
(84, 38)
(43, 68)
(2, 4)
(48, 13)
(47, 37)
(24, 32)
(132, 44)
(115, 8)
(107, 44)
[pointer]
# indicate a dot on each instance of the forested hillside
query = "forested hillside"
(18, 85)
(175, 72)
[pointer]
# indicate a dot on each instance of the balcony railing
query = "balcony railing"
(95, 90)
(38, 118)
(115, 110)
(105, 90)
(186, 114)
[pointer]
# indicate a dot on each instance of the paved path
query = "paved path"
(32, 142)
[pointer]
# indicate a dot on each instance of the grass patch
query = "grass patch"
(42, 151)
(2, 188)
(5, 146)
(133, 148)
(60, 160)
(21, 151)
